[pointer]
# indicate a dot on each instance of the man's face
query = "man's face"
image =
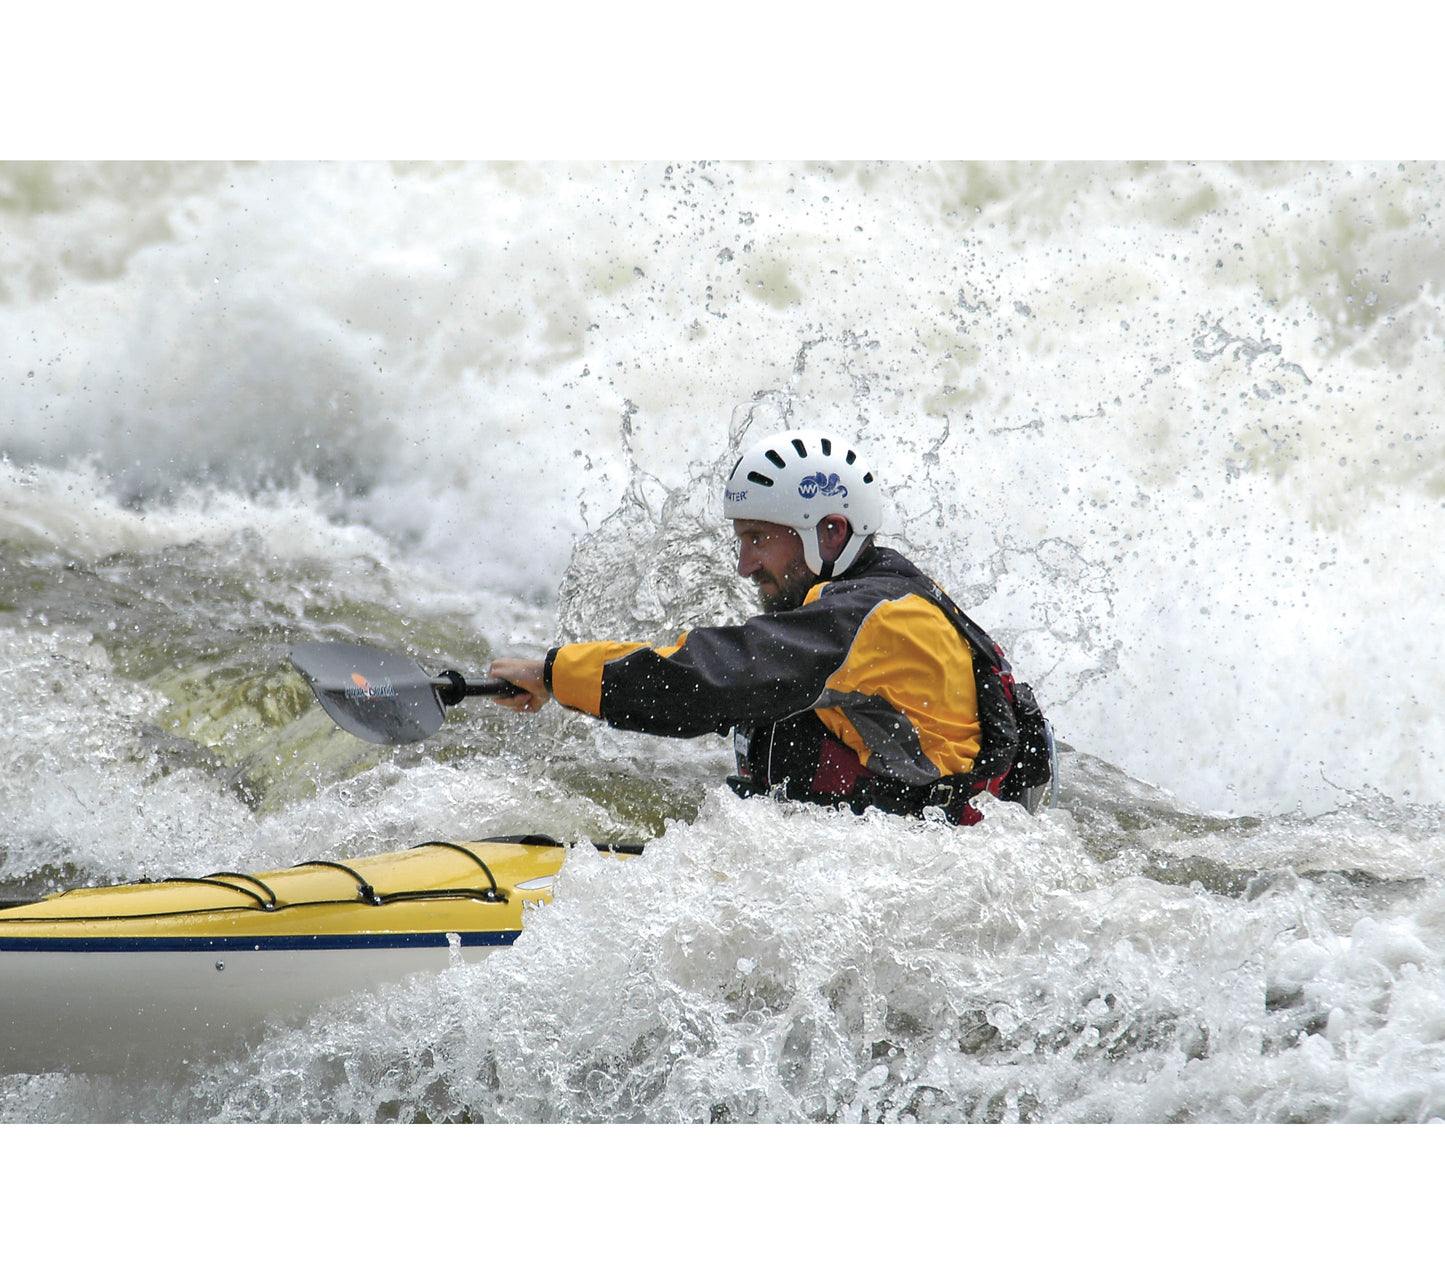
(772, 557)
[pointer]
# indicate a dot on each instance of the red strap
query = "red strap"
(971, 814)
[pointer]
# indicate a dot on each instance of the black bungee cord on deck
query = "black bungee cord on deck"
(265, 898)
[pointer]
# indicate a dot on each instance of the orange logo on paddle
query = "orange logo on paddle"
(363, 690)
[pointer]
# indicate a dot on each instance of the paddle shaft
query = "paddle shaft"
(452, 687)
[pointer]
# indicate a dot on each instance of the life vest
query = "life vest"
(800, 758)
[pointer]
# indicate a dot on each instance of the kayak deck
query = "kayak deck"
(102, 978)
(436, 887)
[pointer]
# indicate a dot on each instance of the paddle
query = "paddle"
(387, 699)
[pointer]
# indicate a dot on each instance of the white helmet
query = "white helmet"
(796, 479)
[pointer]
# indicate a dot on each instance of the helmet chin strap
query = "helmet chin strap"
(813, 554)
(848, 556)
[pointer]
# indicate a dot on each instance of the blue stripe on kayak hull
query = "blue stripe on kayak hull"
(248, 945)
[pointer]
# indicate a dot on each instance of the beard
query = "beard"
(789, 589)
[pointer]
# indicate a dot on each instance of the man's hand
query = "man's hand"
(526, 674)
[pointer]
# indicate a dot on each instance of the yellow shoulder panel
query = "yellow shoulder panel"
(908, 653)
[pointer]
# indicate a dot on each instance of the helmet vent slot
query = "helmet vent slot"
(851, 457)
(776, 458)
(867, 479)
(800, 448)
(758, 477)
(826, 445)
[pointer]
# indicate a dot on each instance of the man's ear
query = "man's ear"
(833, 533)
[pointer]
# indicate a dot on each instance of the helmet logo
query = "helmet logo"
(822, 484)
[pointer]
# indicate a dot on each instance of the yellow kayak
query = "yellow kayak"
(101, 978)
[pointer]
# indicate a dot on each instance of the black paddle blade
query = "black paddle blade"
(384, 698)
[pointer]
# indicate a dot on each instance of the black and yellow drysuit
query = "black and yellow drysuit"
(866, 694)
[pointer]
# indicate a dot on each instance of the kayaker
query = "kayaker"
(856, 685)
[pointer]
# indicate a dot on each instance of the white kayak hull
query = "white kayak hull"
(138, 1006)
